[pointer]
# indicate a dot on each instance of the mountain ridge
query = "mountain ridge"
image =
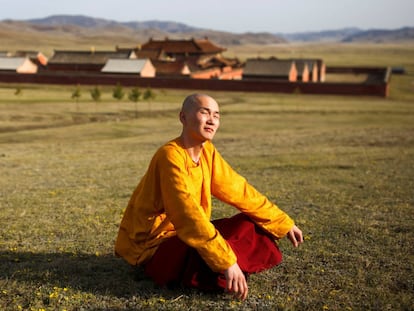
(382, 35)
(90, 22)
(88, 27)
(82, 25)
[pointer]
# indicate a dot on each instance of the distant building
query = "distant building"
(203, 58)
(183, 49)
(171, 68)
(302, 70)
(271, 68)
(84, 61)
(321, 70)
(230, 73)
(215, 66)
(157, 54)
(36, 57)
(4, 54)
(141, 67)
(17, 64)
(316, 68)
(208, 73)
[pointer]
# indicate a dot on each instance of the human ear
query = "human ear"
(182, 117)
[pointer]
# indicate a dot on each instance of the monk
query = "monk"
(167, 228)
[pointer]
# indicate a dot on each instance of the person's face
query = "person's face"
(202, 120)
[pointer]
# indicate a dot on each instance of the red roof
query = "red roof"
(193, 46)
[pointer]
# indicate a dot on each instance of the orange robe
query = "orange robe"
(174, 198)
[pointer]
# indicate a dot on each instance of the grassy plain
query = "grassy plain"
(342, 167)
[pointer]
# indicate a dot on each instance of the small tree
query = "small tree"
(76, 94)
(18, 91)
(96, 95)
(118, 92)
(149, 95)
(134, 96)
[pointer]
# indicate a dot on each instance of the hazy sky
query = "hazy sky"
(230, 15)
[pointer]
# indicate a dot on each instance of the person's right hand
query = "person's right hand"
(236, 282)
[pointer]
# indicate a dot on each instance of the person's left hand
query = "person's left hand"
(236, 281)
(295, 236)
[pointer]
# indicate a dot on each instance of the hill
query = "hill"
(319, 36)
(82, 32)
(91, 22)
(352, 35)
(381, 35)
(83, 27)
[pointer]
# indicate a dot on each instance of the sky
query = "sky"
(230, 15)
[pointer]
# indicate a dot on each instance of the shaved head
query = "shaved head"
(200, 117)
(192, 101)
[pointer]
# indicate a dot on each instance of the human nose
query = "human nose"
(212, 119)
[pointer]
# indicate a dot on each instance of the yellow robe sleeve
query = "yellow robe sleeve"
(233, 189)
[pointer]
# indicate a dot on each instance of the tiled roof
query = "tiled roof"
(86, 57)
(197, 62)
(35, 56)
(300, 62)
(32, 54)
(300, 66)
(217, 60)
(267, 67)
(11, 63)
(124, 65)
(183, 46)
(147, 53)
(208, 47)
(151, 54)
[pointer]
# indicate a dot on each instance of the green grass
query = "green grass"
(342, 167)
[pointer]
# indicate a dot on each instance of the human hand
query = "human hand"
(295, 236)
(236, 282)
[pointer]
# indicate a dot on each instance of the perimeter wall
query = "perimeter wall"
(376, 85)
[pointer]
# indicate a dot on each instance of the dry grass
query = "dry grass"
(342, 167)
(334, 54)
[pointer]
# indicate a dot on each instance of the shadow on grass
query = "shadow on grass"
(102, 275)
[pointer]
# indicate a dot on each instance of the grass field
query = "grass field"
(342, 167)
